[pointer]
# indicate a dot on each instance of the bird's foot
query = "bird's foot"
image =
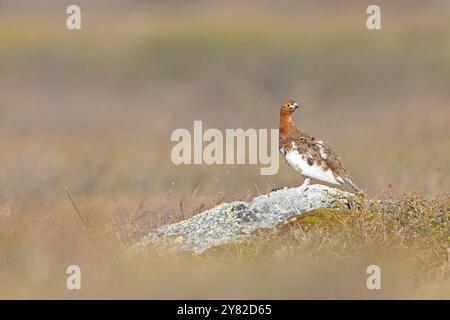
(305, 186)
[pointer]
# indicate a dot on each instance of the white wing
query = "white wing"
(299, 163)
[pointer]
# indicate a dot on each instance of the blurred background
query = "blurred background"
(91, 111)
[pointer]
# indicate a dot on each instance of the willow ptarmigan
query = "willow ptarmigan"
(308, 155)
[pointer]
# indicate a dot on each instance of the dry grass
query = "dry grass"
(322, 254)
(411, 226)
(92, 113)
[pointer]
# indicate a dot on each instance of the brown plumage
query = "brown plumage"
(308, 155)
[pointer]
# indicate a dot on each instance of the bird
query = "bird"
(309, 156)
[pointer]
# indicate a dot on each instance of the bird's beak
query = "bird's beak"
(296, 106)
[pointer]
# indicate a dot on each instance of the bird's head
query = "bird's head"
(289, 107)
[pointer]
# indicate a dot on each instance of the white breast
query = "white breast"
(298, 162)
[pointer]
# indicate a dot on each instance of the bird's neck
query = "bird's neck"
(287, 126)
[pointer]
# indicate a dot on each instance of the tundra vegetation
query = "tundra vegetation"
(85, 170)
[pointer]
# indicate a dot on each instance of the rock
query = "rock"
(234, 222)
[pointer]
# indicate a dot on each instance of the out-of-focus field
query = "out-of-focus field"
(92, 111)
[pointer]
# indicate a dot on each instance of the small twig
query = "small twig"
(257, 189)
(76, 209)
(181, 208)
(143, 214)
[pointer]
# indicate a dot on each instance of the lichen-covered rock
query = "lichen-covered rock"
(234, 222)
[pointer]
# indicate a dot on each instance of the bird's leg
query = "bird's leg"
(305, 184)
